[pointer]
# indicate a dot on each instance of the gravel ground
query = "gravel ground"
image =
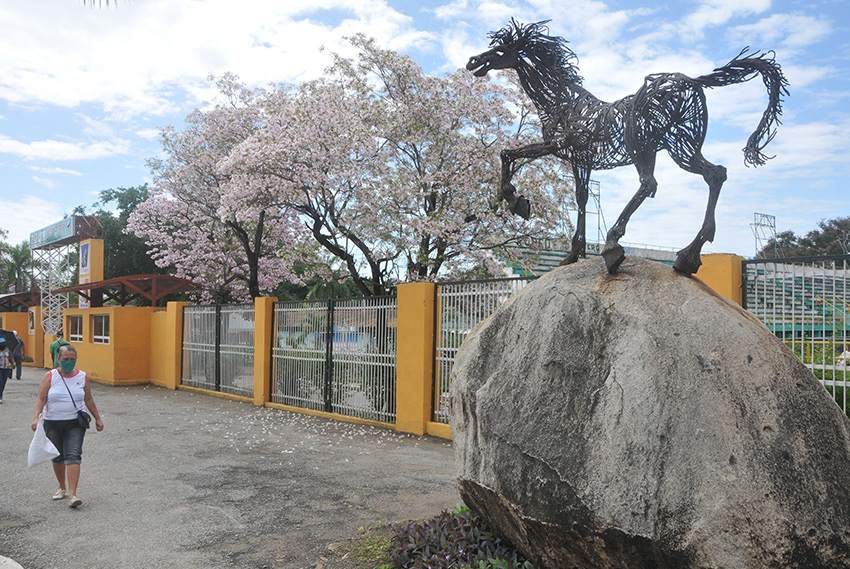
(183, 480)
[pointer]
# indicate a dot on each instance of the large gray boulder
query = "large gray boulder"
(639, 420)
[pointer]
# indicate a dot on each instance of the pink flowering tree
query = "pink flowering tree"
(394, 172)
(236, 250)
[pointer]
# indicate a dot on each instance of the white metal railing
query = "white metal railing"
(218, 348)
(804, 301)
(337, 356)
(460, 306)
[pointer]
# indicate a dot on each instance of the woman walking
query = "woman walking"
(64, 391)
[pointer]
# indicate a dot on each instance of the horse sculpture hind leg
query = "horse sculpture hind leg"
(688, 259)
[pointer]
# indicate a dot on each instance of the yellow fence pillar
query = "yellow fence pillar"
(414, 357)
(174, 343)
(35, 337)
(723, 273)
(264, 341)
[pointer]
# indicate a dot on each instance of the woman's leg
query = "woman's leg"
(55, 432)
(73, 471)
(59, 471)
(4, 375)
(74, 435)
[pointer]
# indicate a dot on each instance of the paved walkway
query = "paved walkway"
(183, 480)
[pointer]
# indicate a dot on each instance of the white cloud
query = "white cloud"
(713, 13)
(55, 171)
(95, 128)
(31, 213)
(60, 150)
(46, 183)
(787, 30)
(148, 56)
(149, 133)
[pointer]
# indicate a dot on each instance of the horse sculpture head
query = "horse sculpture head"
(517, 43)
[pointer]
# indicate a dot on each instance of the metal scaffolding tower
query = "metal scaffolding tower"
(764, 230)
(50, 271)
(51, 248)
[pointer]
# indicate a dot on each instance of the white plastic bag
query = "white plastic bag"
(41, 449)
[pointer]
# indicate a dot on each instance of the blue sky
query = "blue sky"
(84, 92)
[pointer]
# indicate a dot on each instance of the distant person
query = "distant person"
(6, 363)
(54, 348)
(62, 392)
(18, 354)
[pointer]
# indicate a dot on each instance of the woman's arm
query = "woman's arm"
(41, 399)
(90, 405)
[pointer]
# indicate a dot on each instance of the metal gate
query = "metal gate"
(218, 348)
(460, 306)
(337, 356)
(804, 301)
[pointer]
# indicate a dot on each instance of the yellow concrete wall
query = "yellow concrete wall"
(18, 321)
(125, 360)
(95, 265)
(95, 359)
(47, 360)
(263, 344)
(34, 337)
(723, 273)
(90, 265)
(414, 357)
(158, 348)
(173, 349)
(131, 338)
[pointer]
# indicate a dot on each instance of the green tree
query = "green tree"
(831, 238)
(123, 253)
(321, 285)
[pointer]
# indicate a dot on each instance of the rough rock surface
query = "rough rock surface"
(640, 420)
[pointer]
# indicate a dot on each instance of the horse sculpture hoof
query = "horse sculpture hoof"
(613, 257)
(685, 264)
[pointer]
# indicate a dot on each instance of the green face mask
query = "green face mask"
(67, 365)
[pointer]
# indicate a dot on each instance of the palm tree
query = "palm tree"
(19, 267)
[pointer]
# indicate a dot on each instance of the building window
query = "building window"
(75, 328)
(100, 329)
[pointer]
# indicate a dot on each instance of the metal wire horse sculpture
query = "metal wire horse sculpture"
(668, 112)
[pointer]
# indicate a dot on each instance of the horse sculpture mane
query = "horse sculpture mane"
(668, 112)
(543, 51)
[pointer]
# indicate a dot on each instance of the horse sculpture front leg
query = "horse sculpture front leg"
(519, 205)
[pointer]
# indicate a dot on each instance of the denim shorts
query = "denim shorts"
(67, 436)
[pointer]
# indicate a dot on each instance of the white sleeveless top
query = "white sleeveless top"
(59, 405)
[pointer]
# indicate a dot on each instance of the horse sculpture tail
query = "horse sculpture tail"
(744, 67)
